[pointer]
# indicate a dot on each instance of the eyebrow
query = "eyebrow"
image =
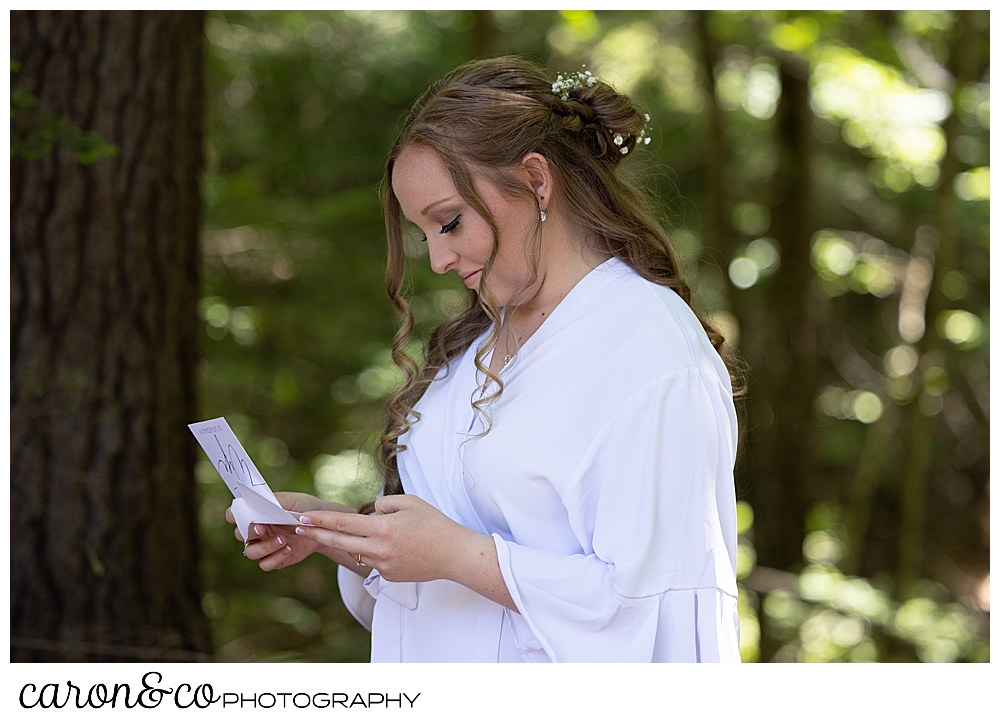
(432, 205)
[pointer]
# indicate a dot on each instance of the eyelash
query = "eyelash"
(448, 228)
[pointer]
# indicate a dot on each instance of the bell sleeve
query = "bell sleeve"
(652, 504)
(358, 601)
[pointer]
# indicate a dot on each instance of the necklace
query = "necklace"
(506, 361)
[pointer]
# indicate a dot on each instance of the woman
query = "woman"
(559, 472)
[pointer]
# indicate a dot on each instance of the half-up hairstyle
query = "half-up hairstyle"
(482, 119)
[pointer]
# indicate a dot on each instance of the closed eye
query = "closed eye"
(451, 226)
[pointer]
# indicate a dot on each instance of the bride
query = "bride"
(559, 469)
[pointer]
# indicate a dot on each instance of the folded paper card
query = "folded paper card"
(254, 501)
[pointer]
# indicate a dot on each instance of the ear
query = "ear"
(535, 170)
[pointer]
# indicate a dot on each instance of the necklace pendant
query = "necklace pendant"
(506, 360)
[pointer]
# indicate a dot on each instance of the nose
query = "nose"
(443, 257)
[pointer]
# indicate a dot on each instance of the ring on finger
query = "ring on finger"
(359, 560)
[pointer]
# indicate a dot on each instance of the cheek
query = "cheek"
(477, 240)
(483, 245)
(515, 242)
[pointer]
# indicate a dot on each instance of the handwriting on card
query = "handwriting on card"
(254, 500)
(234, 464)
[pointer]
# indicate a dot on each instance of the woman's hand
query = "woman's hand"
(277, 546)
(408, 540)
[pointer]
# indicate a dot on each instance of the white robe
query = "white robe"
(606, 482)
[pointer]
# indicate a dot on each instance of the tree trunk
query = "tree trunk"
(104, 284)
(715, 225)
(482, 35)
(783, 470)
(963, 58)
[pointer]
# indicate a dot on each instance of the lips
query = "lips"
(472, 280)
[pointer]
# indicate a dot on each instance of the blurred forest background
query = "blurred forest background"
(825, 177)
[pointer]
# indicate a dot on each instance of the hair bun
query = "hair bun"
(612, 120)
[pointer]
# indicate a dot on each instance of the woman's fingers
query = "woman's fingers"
(349, 523)
(394, 503)
(350, 532)
(277, 560)
(353, 544)
(260, 549)
(277, 546)
(255, 532)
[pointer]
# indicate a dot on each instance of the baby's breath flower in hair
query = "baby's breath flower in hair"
(577, 81)
(642, 138)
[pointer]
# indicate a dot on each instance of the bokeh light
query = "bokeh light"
(881, 111)
(743, 272)
(832, 255)
(974, 185)
(764, 252)
(901, 360)
(349, 478)
(961, 328)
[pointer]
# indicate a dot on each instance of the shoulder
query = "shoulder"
(645, 329)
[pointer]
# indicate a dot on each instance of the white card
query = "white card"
(254, 501)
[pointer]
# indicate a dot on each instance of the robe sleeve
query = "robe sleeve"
(359, 603)
(653, 507)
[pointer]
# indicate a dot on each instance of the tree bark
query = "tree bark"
(104, 285)
(715, 225)
(784, 467)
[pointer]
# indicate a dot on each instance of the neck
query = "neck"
(565, 259)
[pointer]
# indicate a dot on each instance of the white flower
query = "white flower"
(564, 86)
(646, 142)
(624, 150)
(618, 139)
(646, 116)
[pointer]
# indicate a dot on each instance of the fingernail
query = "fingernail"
(256, 529)
(299, 531)
(305, 520)
(280, 541)
(287, 549)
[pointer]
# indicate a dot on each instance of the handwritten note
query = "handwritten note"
(254, 501)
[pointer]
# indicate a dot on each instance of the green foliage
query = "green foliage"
(35, 130)
(822, 615)
(296, 326)
(301, 112)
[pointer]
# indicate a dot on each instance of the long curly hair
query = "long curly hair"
(482, 119)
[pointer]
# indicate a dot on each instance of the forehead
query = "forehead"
(420, 178)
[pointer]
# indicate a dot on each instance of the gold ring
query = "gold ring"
(359, 559)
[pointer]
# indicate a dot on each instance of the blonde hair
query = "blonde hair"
(482, 119)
